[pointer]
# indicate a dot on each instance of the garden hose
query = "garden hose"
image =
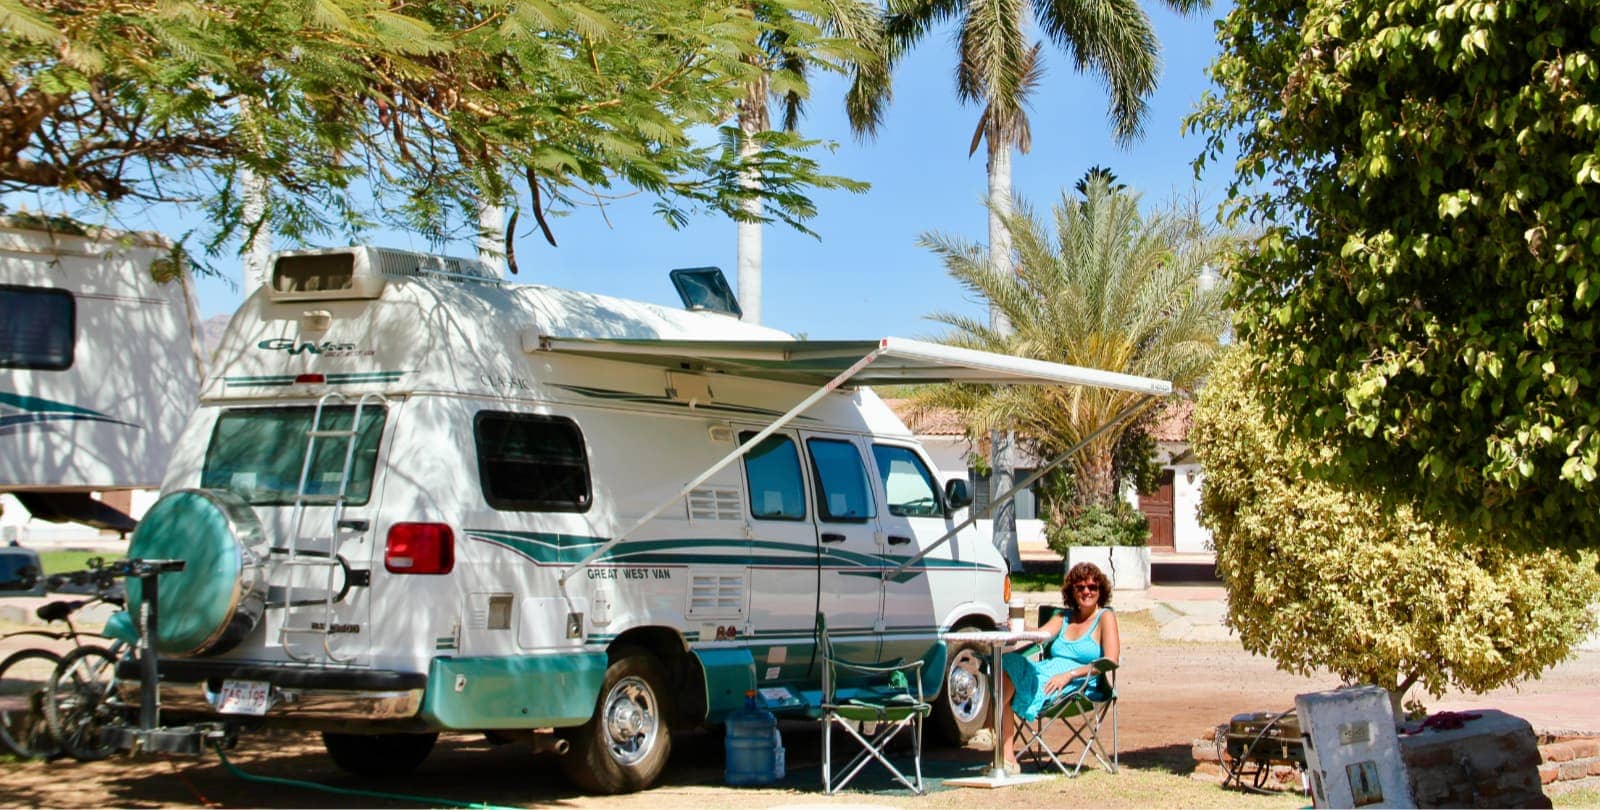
(371, 794)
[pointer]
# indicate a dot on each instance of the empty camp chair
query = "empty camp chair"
(1082, 712)
(883, 699)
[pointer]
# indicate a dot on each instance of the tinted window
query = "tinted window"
(908, 487)
(259, 453)
(773, 470)
(37, 328)
(842, 491)
(529, 463)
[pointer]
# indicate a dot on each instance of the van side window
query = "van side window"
(260, 453)
(38, 328)
(907, 485)
(531, 463)
(773, 470)
(842, 491)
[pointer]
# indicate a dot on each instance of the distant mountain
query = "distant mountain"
(211, 330)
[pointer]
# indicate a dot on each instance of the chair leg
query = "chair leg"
(827, 755)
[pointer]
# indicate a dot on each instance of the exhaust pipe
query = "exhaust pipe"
(550, 744)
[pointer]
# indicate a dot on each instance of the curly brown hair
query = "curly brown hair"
(1085, 572)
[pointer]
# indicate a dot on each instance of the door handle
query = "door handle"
(831, 537)
(898, 540)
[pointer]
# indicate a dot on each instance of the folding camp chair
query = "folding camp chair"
(1080, 713)
(886, 697)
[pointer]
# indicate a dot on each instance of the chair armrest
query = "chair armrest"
(1103, 665)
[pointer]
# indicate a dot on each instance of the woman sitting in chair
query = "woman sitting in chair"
(1085, 632)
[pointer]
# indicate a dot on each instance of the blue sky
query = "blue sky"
(866, 277)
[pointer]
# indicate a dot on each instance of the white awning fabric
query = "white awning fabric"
(888, 361)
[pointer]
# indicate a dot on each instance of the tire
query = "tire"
(624, 745)
(379, 754)
(82, 700)
(24, 687)
(962, 706)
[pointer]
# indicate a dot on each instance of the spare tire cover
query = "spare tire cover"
(216, 600)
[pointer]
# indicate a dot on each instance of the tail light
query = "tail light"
(419, 548)
(1006, 596)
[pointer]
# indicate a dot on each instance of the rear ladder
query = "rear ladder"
(304, 552)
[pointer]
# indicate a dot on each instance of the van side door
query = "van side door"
(914, 516)
(783, 559)
(849, 553)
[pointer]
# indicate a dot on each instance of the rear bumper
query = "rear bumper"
(300, 693)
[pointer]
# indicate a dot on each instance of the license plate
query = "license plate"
(243, 697)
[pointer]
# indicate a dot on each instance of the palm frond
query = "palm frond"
(1114, 40)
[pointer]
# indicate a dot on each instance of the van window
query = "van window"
(773, 470)
(38, 328)
(908, 487)
(531, 463)
(842, 491)
(258, 453)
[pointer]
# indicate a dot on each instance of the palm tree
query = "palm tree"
(851, 41)
(1107, 287)
(999, 69)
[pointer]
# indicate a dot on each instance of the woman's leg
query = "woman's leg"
(1008, 721)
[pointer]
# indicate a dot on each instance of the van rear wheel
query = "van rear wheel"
(963, 704)
(624, 746)
(378, 754)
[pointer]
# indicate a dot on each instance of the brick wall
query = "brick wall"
(1564, 759)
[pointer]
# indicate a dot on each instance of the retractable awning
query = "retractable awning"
(830, 364)
(889, 361)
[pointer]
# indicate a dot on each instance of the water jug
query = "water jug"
(753, 746)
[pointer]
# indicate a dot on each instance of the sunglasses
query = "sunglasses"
(1087, 587)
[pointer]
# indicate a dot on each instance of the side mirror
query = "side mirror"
(20, 572)
(956, 493)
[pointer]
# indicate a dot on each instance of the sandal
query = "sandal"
(1013, 767)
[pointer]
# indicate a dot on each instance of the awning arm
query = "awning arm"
(1003, 497)
(778, 423)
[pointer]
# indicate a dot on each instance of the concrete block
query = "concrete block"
(1594, 767)
(1585, 747)
(1548, 774)
(1351, 749)
(1557, 752)
(1572, 770)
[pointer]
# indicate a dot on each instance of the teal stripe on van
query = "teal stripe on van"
(549, 548)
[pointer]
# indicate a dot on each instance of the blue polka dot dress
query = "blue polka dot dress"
(1028, 676)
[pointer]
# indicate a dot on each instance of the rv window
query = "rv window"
(773, 471)
(38, 328)
(259, 453)
(529, 463)
(908, 487)
(842, 492)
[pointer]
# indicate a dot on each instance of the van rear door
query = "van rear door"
(319, 551)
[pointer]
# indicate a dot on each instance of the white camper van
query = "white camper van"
(417, 499)
(99, 365)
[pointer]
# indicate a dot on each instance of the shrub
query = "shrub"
(1096, 525)
(1322, 577)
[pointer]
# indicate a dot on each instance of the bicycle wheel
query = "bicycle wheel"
(24, 682)
(82, 700)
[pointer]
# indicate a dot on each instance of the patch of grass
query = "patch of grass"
(1575, 797)
(58, 562)
(1036, 581)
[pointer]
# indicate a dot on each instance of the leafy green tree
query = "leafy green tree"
(1321, 576)
(1428, 177)
(1100, 285)
(436, 108)
(785, 54)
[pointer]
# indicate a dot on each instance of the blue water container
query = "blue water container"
(753, 746)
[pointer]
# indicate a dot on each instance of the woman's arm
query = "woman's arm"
(1110, 637)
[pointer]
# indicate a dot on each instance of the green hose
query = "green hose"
(371, 794)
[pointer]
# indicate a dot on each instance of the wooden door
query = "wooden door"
(1157, 508)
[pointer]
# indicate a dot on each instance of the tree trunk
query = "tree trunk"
(491, 238)
(1001, 460)
(1096, 476)
(258, 247)
(752, 119)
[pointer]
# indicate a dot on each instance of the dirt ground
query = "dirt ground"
(1171, 692)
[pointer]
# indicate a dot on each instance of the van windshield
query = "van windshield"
(258, 453)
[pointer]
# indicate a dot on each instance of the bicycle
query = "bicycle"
(25, 675)
(84, 701)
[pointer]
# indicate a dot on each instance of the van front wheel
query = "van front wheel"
(963, 704)
(624, 746)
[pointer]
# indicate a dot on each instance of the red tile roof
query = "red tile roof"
(1173, 420)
